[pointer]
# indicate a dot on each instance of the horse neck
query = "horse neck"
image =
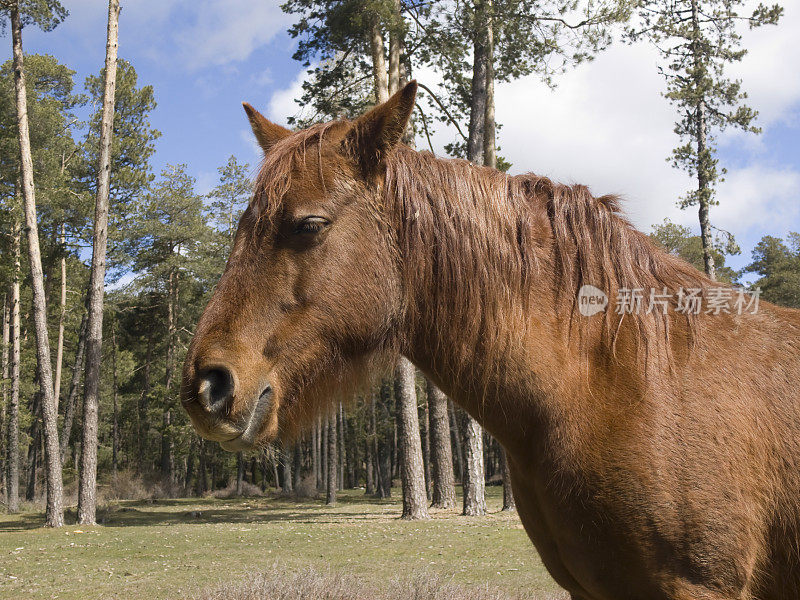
(474, 325)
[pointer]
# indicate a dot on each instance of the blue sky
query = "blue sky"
(605, 124)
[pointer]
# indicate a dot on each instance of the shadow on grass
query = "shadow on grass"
(200, 511)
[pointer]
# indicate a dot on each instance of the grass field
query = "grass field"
(188, 547)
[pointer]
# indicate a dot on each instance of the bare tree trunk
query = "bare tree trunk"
(114, 422)
(167, 447)
(167, 441)
(425, 430)
(473, 475)
(55, 509)
(74, 385)
(87, 492)
(201, 485)
(286, 461)
(274, 461)
(369, 458)
(5, 377)
(62, 313)
(378, 61)
(456, 437)
(332, 463)
(239, 473)
(298, 463)
(508, 493)
(384, 442)
(395, 47)
(187, 481)
(478, 90)
(490, 128)
(703, 154)
(315, 453)
(473, 478)
(12, 424)
(35, 434)
(144, 401)
(412, 470)
(342, 446)
(444, 489)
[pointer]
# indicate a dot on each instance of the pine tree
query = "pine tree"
(697, 39)
(778, 264)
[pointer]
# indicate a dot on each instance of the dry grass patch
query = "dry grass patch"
(313, 584)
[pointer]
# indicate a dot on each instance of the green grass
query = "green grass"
(161, 550)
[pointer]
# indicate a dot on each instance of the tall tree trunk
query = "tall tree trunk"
(87, 492)
(62, 313)
(167, 454)
(274, 462)
(114, 422)
(201, 485)
(55, 508)
(369, 456)
(332, 462)
(704, 194)
(455, 432)
(489, 128)
(378, 61)
(35, 434)
(12, 420)
(477, 114)
(342, 456)
(473, 478)
(395, 48)
(386, 438)
(239, 473)
(473, 475)
(144, 402)
(286, 462)
(167, 441)
(74, 385)
(444, 489)
(412, 469)
(298, 463)
(187, 481)
(5, 376)
(508, 493)
(315, 454)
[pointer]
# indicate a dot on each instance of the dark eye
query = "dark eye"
(311, 225)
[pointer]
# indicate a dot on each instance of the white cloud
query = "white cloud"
(605, 126)
(218, 32)
(757, 200)
(769, 69)
(282, 103)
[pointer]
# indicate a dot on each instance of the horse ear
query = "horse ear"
(267, 133)
(373, 135)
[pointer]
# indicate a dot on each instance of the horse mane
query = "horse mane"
(475, 237)
(476, 243)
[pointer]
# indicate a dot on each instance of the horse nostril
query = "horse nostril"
(215, 388)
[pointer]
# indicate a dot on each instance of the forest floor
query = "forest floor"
(203, 546)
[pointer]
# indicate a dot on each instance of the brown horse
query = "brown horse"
(654, 453)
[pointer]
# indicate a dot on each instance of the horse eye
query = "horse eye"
(311, 225)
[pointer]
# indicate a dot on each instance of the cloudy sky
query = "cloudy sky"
(604, 125)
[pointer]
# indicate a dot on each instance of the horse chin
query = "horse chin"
(260, 428)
